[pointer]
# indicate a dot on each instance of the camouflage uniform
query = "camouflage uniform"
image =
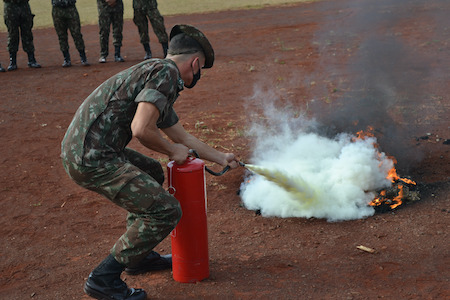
(17, 14)
(65, 17)
(108, 15)
(144, 9)
(95, 156)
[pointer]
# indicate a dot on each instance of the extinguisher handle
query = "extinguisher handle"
(217, 173)
(195, 153)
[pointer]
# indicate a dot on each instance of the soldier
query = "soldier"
(17, 14)
(65, 17)
(110, 12)
(138, 102)
(144, 9)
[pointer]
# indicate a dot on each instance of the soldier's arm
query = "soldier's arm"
(145, 130)
(180, 136)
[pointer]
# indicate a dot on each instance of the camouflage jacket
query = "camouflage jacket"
(101, 127)
(63, 3)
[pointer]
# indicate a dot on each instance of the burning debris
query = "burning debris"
(402, 190)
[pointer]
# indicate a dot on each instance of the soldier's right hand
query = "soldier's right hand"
(179, 153)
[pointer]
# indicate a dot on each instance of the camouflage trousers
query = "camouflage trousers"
(64, 19)
(110, 16)
(19, 21)
(133, 183)
(157, 21)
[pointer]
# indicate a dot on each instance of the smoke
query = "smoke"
(382, 43)
(342, 172)
(384, 76)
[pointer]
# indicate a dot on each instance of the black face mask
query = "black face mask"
(195, 78)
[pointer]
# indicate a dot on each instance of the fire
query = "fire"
(384, 197)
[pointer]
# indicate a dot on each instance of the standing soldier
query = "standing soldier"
(144, 9)
(17, 14)
(65, 17)
(110, 12)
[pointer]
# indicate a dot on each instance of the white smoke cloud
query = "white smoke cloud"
(343, 172)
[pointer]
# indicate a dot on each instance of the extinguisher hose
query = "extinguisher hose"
(195, 154)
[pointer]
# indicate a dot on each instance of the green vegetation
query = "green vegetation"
(88, 8)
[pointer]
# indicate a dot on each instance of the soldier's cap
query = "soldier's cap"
(197, 35)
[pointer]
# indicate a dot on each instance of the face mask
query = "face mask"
(195, 78)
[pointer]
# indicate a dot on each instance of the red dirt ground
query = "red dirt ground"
(53, 232)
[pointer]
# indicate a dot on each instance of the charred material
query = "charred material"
(400, 193)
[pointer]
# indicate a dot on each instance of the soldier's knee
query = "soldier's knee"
(176, 211)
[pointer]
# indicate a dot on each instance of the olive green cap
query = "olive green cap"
(199, 37)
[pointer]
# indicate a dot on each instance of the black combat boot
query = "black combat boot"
(105, 283)
(148, 52)
(1, 68)
(165, 47)
(83, 58)
(117, 56)
(12, 61)
(152, 262)
(66, 62)
(32, 61)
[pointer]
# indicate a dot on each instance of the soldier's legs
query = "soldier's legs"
(117, 24)
(75, 30)
(155, 213)
(12, 24)
(60, 24)
(104, 23)
(140, 19)
(147, 164)
(26, 26)
(157, 22)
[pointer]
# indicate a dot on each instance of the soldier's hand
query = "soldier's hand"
(179, 153)
(231, 160)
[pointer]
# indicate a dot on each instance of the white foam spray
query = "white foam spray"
(342, 173)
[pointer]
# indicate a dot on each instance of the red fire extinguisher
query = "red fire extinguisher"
(190, 257)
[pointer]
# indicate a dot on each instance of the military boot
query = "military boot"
(83, 58)
(148, 52)
(117, 56)
(165, 47)
(66, 62)
(32, 61)
(1, 68)
(105, 283)
(12, 61)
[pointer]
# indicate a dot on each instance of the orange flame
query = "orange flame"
(392, 176)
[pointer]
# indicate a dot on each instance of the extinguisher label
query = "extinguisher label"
(174, 232)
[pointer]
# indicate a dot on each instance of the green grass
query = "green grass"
(88, 8)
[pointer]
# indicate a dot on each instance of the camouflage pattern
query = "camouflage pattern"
(66, 17)
(153, 212)
(107, 16)
(17, 15)
(95, 156)
(145, 10)
(63, 3)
